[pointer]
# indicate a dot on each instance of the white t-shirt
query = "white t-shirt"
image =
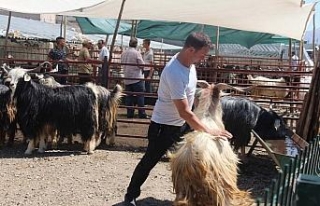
(294, 62)
(176, 82)
(148, 59)
(103, 53)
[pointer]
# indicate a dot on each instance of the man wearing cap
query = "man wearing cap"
(85, 69)
(132, 56)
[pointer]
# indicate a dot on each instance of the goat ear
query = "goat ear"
(39, 76)
(222, 94)
(26, 77)
(203, 84)
(5, 68)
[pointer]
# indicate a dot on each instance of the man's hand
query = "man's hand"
(224, 134)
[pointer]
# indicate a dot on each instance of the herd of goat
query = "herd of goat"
(204, 167)
(44, 112)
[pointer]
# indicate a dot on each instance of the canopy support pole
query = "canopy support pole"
(217, 41)
(289, 54)
(7, 35)
(65, 27)
(61, 25)
(106, 62)
(134, 28)
(313, 39)
(301, 51)
(106, 40)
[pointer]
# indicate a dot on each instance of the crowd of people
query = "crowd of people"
(137, 67)
(61, 56)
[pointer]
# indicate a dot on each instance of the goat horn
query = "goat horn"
(45, 62)
(203, 84)
(38, 68)
(222, 86)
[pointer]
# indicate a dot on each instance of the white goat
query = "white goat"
(204, 167)
(271, 87)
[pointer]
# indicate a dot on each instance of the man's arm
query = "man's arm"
(50, 54)
(150, 60)
(140, 60)
(151, 70)
(194, 121)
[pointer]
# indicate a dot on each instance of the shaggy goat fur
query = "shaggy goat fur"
(87, 110)
(241, 115)
(108, 104)
(204, 167)
(7, 115)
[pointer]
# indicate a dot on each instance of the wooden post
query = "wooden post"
(308, 124)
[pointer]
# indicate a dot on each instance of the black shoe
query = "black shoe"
(144, 117)
(129, 116)
(130, 202)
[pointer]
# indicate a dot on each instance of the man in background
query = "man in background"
(104, 53)
(295, 68)
(136, 84)
(148, 59)
(59, 55)
(294, 62)
(148, 71)
(85, 68)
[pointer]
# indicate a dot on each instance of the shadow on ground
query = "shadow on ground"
(256, 174)
(149, 201)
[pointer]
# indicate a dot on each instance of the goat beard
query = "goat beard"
(11, 111)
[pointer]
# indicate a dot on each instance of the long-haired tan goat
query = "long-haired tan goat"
(204, 167)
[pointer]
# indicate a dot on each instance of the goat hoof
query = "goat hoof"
(41, 151)
(28, 152)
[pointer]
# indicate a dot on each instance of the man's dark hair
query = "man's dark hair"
(58, 38)
(197, 40)
(147, 41)
(133, 42)
(101, 41)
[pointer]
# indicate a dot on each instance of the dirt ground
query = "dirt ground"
(69, 177)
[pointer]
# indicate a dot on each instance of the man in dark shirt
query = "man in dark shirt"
(59, 53)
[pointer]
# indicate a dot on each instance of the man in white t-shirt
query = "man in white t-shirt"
(172, 110)
(148, 59)
(294, 62)
(104, 52)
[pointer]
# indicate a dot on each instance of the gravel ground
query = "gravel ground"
(69, 177)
